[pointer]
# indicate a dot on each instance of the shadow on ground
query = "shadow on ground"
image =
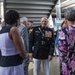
(54, 67)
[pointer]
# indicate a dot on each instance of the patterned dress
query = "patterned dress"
(66, 46)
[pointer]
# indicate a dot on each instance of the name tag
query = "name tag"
(37, 31)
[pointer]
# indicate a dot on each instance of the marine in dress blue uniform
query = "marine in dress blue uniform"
(42, 38)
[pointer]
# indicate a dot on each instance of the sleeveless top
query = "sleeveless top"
(9, 53)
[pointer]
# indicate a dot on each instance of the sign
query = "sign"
(57, 23)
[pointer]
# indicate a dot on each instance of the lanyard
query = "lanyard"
(41, 32)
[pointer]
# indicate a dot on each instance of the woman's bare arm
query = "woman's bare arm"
(15, 36)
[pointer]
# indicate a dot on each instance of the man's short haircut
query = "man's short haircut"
(70, 14)
(11, 17)
(23, 19)
(31, 21)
